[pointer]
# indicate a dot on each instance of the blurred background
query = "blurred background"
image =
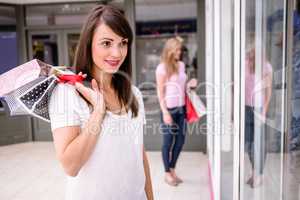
(50, 31)
(217, 35)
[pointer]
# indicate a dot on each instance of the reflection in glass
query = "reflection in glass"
(263, 68)
(293, 146)
(258, 91)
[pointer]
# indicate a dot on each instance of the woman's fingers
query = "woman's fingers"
(83, 75)
(192, 83)
(93, 95)
(79, 87)
(83, 90)
(167, 119)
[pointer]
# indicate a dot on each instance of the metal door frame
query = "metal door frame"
(65, 33)
(46, 32)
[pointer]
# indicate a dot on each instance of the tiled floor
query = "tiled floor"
(30, 171)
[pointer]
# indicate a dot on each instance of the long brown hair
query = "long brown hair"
(168, 55)
(121, 81)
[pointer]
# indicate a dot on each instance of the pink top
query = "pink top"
(174, 86)
(255, 87)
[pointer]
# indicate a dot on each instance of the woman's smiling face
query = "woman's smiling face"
(109, 50)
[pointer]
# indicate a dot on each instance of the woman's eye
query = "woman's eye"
(124, 43)
(106, 43)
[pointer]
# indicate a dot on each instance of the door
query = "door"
(45, 46)
(252, 153)
(56, 48)
(291, 189)
(71, 38)
(263, 100)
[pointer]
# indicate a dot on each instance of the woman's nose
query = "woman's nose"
(116, 51)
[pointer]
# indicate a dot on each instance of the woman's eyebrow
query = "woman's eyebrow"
(106, 39)
(110, 39)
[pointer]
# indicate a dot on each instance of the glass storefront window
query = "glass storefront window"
(292, 167)
(227, 85)
(220, 91)
(260, 160)
(263, 94)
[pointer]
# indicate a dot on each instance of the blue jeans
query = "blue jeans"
(173, 137)
(252, 146)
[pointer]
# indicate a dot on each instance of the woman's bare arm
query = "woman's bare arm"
(268, 93)
(148, 185)
(160, 82)
(74, 145)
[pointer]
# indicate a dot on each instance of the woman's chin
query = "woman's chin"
(111, 70)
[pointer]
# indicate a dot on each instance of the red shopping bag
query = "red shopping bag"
(195, 109)
(191, 114)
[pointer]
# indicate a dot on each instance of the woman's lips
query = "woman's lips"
(113, 63)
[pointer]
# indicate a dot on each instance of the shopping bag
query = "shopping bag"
(26, 89)
(195, 108)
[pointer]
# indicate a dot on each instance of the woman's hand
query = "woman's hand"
(167, 118)
(192, 83)
(83, 75)
(264, 116)
(93, 95)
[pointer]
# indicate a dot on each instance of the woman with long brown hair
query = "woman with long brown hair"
(171, 82)
(98, 131)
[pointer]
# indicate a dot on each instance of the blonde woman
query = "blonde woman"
(258, 92)
(171, 87)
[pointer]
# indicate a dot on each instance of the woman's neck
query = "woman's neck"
(103, 79)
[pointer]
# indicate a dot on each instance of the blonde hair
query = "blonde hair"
(168, 55)
(250, 55)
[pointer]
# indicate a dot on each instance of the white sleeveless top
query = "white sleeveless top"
(115, 168)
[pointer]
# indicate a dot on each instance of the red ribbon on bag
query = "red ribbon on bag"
(70, 78)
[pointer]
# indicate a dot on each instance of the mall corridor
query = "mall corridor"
(244, 54)
(29, 171)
